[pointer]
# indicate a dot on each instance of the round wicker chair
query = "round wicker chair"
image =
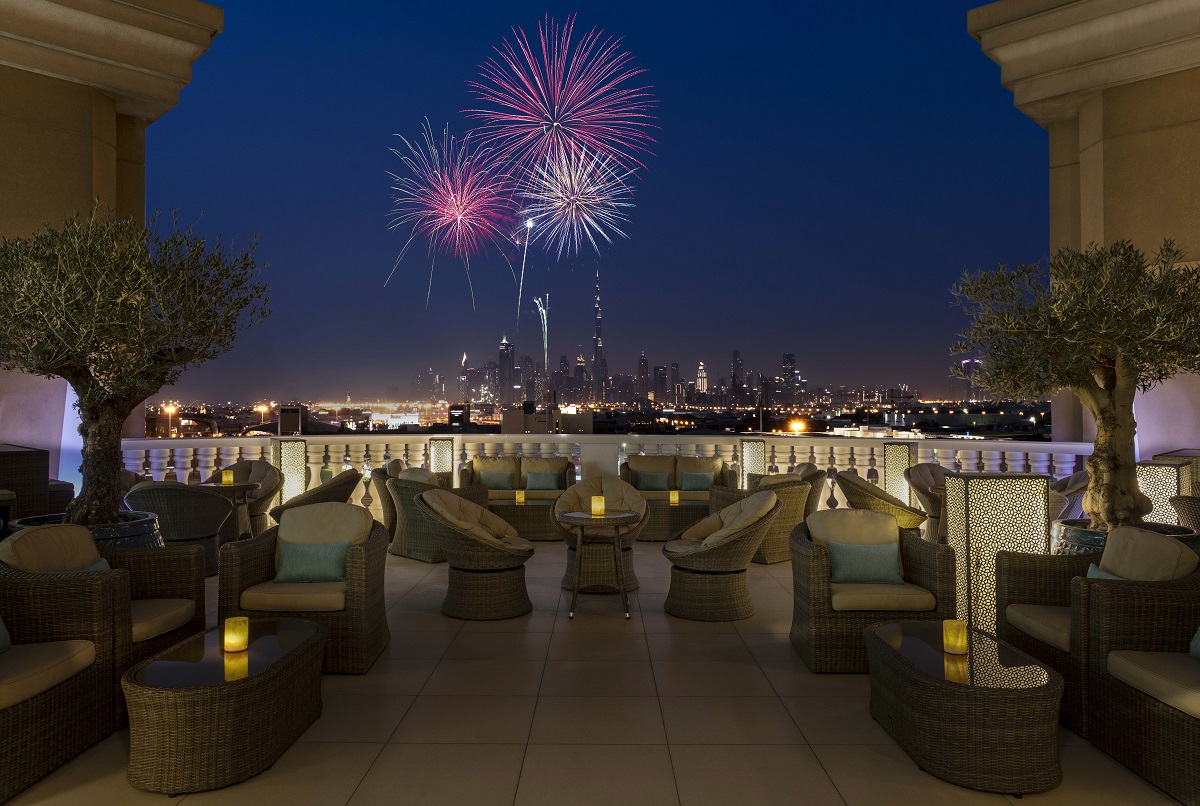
(338, 489)
(710, 557)
(927, 480)
(597, 574)
(862, 494)
(793, 493)
(186, 515)
(270, 482)
(1073, 488)
(411, 536)
(486, 555)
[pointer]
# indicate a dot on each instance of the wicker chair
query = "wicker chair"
(793, 494)
(709, 560)
(597, 574)
(927, 480)
(411, 536)
(1072, 488)
(830, 639)
(44, 731)
(186, 515)
(127, 481)
(356, 633)
(1040, 591)
(338, 489)
(862, 494)
(486, 555)
(270, 482)
(1187, 507)
(1150, 737)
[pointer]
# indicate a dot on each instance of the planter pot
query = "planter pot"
(135, 530)
(1072, 537)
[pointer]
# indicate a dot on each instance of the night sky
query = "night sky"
(821, 176)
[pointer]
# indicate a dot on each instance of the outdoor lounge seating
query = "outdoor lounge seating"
(186, 515)
(270, 482)
(1144, 705)
(541, 479)
(654, 477)
(861, 494)
(596, 573)
(1072, 488)
(411, 536)
(486, 555)
(127, 481)
(709, 560)
(351, 609)
(829, 617)
(337, 490)
(793, 494)
(927, 480)
(394, 469)
(1042, 602)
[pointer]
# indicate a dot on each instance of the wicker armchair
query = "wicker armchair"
(793, 494)
(861, 494)
(1187, 507)
(186, 515)
(48, 729)
(411, 536)
(338, 489)
(597, 574)
(486, 555)
(356, 633)
(1150, 737)
(127, 481)
(270, 482)
(927, 480)
(709, 560)
(831, 640)
(1072, 488)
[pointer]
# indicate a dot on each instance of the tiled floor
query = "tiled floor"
(545, 710)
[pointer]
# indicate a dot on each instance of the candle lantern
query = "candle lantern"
(954, 636)
(674, 495)
(520, 494)
(956, 669)
(227, 477)
(597, 506)
(237, 665)
(237, 634)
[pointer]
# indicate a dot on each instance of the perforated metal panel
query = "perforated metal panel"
(441, 454)
(898, 457)
(754, 458)
(290, 458)
(987, 513)
(1159, 480)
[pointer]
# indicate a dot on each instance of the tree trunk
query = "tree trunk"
(1113, 498)
(100, 495)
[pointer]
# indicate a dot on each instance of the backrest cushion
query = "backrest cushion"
(497, 464)
(856, 564)
(54, 547)
(697, 464)
(619, 497)
(1094, 572)
(544, 480)
(419, 474)
(556, 465)
(658, 481)
(394, 467)
(301, 562)
(740, 515)
(1146, 556)
(863, 527)
(702, 528)
(469, 517)
(496, 479)
(695, 482)
(652, 464)
(325, 523)
(778, 478)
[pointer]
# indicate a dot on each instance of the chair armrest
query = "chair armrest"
(570, 476)
(63, 607)
(625, 474)
(1039, 579)
(166, 573)
(930, 566)
(810, 571)
(465, 475)
(475, 493)
(365, 565)
(721, 496)
(1145, 616)
(246, 563)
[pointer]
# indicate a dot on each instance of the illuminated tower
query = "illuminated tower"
(702, 380)
(643, 376)
(599, 362)
(507, 372)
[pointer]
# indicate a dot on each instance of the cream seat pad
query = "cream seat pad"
(54, 547)
(736, 517)
(419, 474)
(1169, 677)
(27, 670)
(325, 523)
(153, 617)
(312, 597)
(467, 516)
(1146, 556)
(902, 597)
(1047, 623)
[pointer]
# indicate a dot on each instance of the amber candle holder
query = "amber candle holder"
(520, 495)
(954, 636)
(674, 497)
(237, 665)
(597, 506)
(236, 637)
(956, 668)
(227, 477)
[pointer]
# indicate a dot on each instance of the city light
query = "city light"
(169, 409)
(797, 426)
(262, 412)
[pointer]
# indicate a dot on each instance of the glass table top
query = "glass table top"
(989, 663)
(607, 516)
(204, 663)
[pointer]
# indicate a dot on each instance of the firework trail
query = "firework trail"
(563, 101)
(543, 309)
(574, 198)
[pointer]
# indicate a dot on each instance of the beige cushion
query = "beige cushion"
(530, 495)
(328, 522)
(1169, 677)
(740, 515)
(27, 670)
(1047, 623)
(394, 468)
(862, 527)
(702, 528)
(467, 516)
(681, 547)
(697, 464)
(1146, 556)
(806, 469)
(496, 464)
(316, 597)
(420, 474)
(665, 495)
(153, 617)
(534, 465)
(56, 547)
(853, 596)
(778, 478)
(653, 464)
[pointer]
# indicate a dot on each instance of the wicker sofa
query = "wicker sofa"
(674, 467)
(517, 468)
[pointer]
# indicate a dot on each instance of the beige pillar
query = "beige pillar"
(1116, 84)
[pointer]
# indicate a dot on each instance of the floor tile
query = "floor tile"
(766, 620)
(710, 679)
(418, 621)
(388, 675)
(763, 775)
(308, 774)
(598, 678)
(95, 777)
(537, 621)
(728, 720)
(512, 678)
(836, 720)
(598, 646)
(884, 775)
(1093, 778)
(791, 678)
(419, 645)
(467, 720)
(555, 775)
(597, 720)
(499, 646)
(657, 621)
(698, 646)
(442, 775)
(356, 718)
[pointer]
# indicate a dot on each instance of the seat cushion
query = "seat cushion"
(328, 522)
(54, 547)
(1146, 556)
(27, 670)
(684, 495)
(469, 517)
(739, 516)
(295, 597)
(1047, 623)
(419, 474)
(1169, 677)
(153, 617)
(681, 547)
(903, 597)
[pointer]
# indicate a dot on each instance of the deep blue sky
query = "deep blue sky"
(823, 173)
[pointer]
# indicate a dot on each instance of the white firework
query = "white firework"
(575, 197)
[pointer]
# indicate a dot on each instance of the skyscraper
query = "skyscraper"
(676, 392)
(701, 380)
(599, 362)
(643, 376)
(660, 386)
(507, 373)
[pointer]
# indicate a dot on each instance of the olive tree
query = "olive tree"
(119, 310)
(1104, 323)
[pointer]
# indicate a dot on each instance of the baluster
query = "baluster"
(1064, 464)
(314, 457)
(1039, 463)
(206, 461)
(1015, 462)
(160, 463)
(184, 469)
(993, 461)
(872, 471)
(134, 460)
(945, 458)
(228, 454)
(968, 461)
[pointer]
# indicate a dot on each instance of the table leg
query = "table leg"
(620, 567)
(578, 566)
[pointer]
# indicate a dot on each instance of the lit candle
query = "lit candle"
(520, 496)
(674, 495)
(227, 477)
(954, 636)
(597, 506)
(237, 634)
(237, 665)
(956, 669)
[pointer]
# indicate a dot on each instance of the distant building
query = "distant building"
(701, 380)
(660, 385)
(643, 376)
(507, 365)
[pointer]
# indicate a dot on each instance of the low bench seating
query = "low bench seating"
(654, 477)
(541, 479)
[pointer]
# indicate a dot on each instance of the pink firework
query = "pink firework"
(564, 101)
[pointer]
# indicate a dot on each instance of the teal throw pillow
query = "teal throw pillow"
(865, 565)
(1095, 572)
(304, 562)
(543, 480)
(496, 479)
(652, 481)
(695, 481)
(1195, 648)
(6, 639)
(100, 565)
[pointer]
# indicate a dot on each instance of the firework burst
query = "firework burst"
(576, 197)
(567, 100)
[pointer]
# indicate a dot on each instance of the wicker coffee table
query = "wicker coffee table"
(985, 720)
(201, 719)
(533, 520)
(664, 521)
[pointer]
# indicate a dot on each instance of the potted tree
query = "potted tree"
(1104, 323)
(119, 310)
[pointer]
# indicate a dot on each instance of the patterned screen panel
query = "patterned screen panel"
(754, 458)
(289, 458)
(441, 454)
(1161, 479)
(897, 457)
(987, 513)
